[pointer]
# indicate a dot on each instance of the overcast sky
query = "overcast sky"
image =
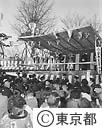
(61, 9)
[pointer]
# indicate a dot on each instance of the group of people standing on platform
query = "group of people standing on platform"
(19, 95)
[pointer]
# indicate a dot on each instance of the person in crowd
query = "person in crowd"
(78, 94)
(6, 91)
(64, 95)
(85, 87)
(48, 88)
(16, 92)
(24, 77)
(73, 101)
(69, 85)
(98, 91)
(4, 76)
(1, 78)
(56, 86)
(85, 90)
(31, 100)
(92, 87)
(16, 116)
(64, 79)
(84, 103)
(52, 101)
(3, 104)
(76, 82)
(84, 58)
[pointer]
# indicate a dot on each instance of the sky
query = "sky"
(61, 8)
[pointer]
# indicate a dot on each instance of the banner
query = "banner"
(98, 54)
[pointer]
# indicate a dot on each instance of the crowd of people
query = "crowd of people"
(19, 95)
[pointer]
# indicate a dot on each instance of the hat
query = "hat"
(64, 74)
(42, 76)
(92, 79)
(76, 76)
(98, 90)
(5, 80)
(18, 72)
(34, 75)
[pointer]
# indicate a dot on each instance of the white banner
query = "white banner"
(98, 55)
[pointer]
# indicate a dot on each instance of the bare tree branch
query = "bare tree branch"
(76, 20)
(37, 11)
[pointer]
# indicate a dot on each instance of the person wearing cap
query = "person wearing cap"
(16, 117)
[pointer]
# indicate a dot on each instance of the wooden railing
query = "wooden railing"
(18, 65)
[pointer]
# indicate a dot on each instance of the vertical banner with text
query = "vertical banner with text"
(98, 54)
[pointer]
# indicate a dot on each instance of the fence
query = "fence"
(16, 65)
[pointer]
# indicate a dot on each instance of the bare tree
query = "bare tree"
(73, 21)
(95, 22)
(37, 11)
(76, 20)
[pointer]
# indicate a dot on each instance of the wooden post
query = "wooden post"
(77, 60)
(70, 78)
(91, 60)
(88, 75)
(97, 79)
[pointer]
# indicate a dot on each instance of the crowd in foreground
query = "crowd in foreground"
(19, 95)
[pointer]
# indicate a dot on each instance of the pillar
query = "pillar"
(77, 61)
(97, 79)
(92, 60)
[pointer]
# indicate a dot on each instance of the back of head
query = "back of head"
(84, 82)
(53, 100)
(15, 102)
(24, 75)
(75, 94)
(84, 103)
(86, 89)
